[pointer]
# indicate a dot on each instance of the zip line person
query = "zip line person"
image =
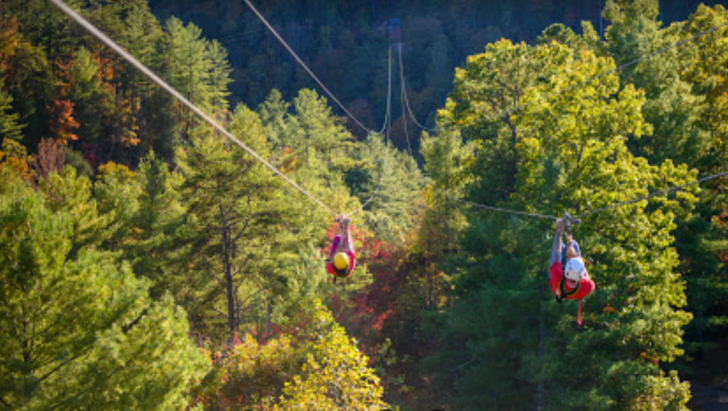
(568, 277)
(342, 258)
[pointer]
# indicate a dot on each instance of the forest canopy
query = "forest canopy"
(148, 262)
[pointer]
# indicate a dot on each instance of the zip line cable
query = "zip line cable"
(599, 210)
(573, 86)
(387, 118)
(507, 211)
(587, 81)
(305, 67)
(656, 193)
(389, 91)
(404, 92)
(164, 85)
(144, 69)
(404, 121)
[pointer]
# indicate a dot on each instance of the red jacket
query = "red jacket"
(352, 263)
(556, 275)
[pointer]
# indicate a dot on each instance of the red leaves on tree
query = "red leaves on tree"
(50, 158)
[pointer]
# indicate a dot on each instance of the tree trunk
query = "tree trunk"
(229, 287)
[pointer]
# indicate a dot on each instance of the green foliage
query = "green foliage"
(234, 213)
(393, 181)
(201, 224)
(79, 330)
(72, 194)
(9, 126)
(567, 153)
(197, 68)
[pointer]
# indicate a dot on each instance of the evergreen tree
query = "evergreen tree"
(79, 330)
(9, 127)
(393, 182)
(234, 208)
(701, 239)
(91, 101)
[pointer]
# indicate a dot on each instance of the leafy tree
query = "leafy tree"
(251, 375)
(309, 363)
(334, 375)
(63, 123)
(672, 108)
(701, 240)
(505, 343)
(51, 158)
(14, 158)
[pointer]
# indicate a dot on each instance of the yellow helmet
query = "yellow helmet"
(341, 261)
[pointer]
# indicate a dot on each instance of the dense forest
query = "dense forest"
(346, 44)
(148, 263)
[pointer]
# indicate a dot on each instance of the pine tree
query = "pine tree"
(235, 208)
(393, 181)
(187, 68)
(91, 101)
(79, 330)
(9, 126)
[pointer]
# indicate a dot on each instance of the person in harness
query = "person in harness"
(568, 277)
(342, 258)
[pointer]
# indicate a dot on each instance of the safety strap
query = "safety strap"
(578, 313)
(562, 288)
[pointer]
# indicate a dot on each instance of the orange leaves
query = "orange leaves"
(650, 359)
(290, 161)
(63, 124)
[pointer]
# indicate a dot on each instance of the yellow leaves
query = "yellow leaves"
(14, 157)
(320, 368)
(115, 169)
(335, 375)
(9, 38)
(661, 392)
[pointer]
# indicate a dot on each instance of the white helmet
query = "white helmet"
(574, 269)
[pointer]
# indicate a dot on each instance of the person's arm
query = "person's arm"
(586, 287)
(558, 244)
(348, 243)
(335, 245)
